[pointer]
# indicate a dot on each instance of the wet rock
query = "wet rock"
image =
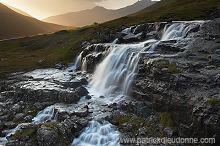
(81, 91)
(28, 118)
(84, 81)
(40, 61)
(15, 143)
(10, 125)
(139, 29)
(132, 37)
(61, 116)
(1, 126)
(88, 97)
(168, 131)
(19, 116)
(82, 112)
(47, 136)
(142, 131)
(72, 84)
(85, 44)
(101, 96)
(68, 97)
(104, 38)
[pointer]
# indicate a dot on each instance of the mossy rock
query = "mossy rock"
(165, 63)
(26, 131)
(166, 119)
(215, 101)
(161, 63)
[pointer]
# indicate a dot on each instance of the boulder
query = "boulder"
(81, 91)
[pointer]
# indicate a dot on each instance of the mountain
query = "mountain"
(14, 24)
(18, 10)
(97, 14)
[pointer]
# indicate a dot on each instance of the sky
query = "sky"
(41, 9)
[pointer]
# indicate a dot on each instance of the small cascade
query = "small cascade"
(114, 75)
(45, 115)
(78, 60)
(98, 134)
(177, 30)
(84, 65)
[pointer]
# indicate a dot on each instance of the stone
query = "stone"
(168, 131)
(81, 91)
(82, 112)
(47, 136)
(16, 108)
(69, 97)
(142, 131)
(28, 118)
(10, 125)
(104, 38)
(19, 116)
(88, 97)
(132, 37)
(84, 81)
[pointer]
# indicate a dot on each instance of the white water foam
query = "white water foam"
(97, 134)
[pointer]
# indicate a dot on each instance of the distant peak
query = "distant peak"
(98, 8)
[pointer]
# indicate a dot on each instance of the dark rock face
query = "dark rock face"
(44, 95)
(185, 84)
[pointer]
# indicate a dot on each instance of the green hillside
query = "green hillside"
(170, 10)
(24, 54)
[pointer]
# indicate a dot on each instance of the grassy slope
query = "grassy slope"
(167, 10)
(23, 54)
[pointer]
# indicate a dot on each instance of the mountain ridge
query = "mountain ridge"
(17, 10)
(97, 14)
(18, 25)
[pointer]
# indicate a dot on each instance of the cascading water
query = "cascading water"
(114, 75)
(98, 134)
(43, 116)
(113, 78)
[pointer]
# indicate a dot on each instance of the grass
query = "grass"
(24, 54)
(62, 47)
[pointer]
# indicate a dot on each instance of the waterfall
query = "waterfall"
(114, 76)
(84, 65)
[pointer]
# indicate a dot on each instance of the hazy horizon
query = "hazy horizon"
(40, 9)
